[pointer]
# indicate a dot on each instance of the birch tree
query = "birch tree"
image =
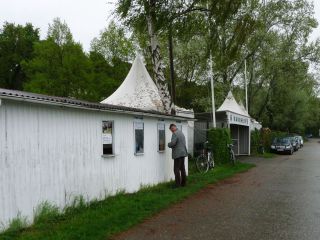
(154, 17)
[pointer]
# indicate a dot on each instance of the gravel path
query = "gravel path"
(279, 199)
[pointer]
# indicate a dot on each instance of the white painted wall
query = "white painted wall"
(51, 153)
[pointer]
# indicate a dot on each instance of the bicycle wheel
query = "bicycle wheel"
(210, 160)
(232, 158)
(202, 164)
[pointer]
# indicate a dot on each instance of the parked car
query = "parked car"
(309, 135)
(295, 143)
(300, 138)
(282, 145)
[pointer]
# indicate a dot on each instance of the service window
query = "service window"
(161, 137)
(139, 137)
(107, 137)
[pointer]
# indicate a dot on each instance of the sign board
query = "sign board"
(138, 125)
(107, 138)
(234, 118)
(161, 126)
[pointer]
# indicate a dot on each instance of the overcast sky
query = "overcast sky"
(85, 18)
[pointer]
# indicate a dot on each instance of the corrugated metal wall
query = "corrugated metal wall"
(51, 153)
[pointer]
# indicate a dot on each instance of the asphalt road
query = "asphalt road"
(279, 199)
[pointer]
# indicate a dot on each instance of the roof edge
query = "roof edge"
(79, 104)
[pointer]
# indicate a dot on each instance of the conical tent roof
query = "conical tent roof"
(230, 104)
(243, 107)
(137, 90)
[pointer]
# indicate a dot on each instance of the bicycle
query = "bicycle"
(205, 160)
(232, 157)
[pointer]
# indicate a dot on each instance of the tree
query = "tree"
(280, 82)
(106, 78)
(16, 45)
(59, 66)
(154, 15)
(114, 44)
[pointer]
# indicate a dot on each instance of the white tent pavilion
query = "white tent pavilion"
(234, 116)
(137, 90)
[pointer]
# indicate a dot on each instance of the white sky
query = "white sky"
(85, 18)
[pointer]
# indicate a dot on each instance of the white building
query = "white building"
(238, 120)
(230, 115)
(55, 149)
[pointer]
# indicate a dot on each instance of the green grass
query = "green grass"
(102, 219)
(266, 155)
(17, 223)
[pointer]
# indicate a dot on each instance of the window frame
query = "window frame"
(113, 138)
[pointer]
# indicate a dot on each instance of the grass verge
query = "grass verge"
(266, 155)
(102, 219)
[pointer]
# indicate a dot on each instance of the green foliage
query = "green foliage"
(266, 155)
(45, 212)
(256, 141)
(59, 32)
(59, 67)
(114, 44)
(102, 219)
(267, 136)
(77, 204)
(59, 70)
(16, 45)
(218, 140)
(106, 78)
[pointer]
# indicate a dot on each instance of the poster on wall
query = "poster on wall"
(138, 125)
(107, 137)
(107, 132)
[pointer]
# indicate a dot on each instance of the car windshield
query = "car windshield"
(283, 141)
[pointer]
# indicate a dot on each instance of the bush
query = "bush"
(264, 137)
(218, 140)
(256, 141)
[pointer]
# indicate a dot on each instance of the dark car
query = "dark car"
(282, 145)
(309, 135)
(295, 142)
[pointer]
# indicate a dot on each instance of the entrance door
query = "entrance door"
(244, 140)
(234, 130)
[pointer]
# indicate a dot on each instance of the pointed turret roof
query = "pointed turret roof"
(243, 107)
(230, 104)
(137, 90)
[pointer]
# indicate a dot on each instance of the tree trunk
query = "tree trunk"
(173, 82)
(158, 66)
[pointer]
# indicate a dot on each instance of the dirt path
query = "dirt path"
(279, 199)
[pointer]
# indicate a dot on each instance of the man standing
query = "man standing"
(179, 152)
